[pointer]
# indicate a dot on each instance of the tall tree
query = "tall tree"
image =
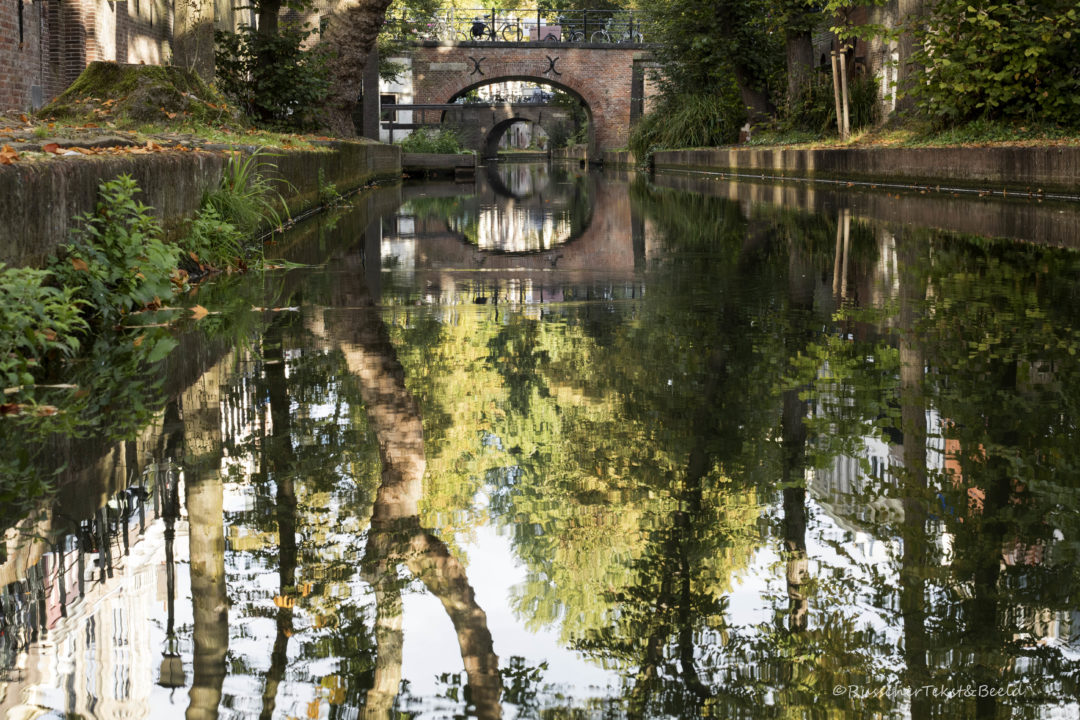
(350, 36)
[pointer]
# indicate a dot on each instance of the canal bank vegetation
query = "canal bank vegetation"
(1000, 73)
(117, 263)
(442, 141)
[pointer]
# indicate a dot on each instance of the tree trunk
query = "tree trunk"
(800, 63)
(193, 37)
(268, 17)
(350, 35)
(758, 105)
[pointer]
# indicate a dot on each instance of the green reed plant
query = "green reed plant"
(246, 196)
(684, 121)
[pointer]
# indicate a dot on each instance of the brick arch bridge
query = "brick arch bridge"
(480, 127)
(608, 78)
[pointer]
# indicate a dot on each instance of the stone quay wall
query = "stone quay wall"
(40, 201)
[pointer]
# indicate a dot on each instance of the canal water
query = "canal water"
(561, 444)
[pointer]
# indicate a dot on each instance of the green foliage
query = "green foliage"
(212, 241)
(246, 195)
(36, 320)
(328, 192)
(814, 108)
(1006, 60)
(117, 261)
(576, 131)
(274, 79)
(696, 120)
(704, 45)
(442, 141)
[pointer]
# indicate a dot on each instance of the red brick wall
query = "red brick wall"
(21, 63)
(60, 37)
(600, 77)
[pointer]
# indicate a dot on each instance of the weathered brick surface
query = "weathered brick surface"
(600, 76)
(20, 51)
(60, 37)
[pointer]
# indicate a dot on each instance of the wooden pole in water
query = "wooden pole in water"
(847, 253)
(836, 256)
(836, 94)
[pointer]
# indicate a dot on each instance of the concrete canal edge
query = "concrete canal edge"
(1012, 169)
(39, 201)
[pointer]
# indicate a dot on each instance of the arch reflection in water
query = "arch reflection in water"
(517, 208)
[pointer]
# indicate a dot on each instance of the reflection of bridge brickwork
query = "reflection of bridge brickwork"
(480, 127)
(601, 76)
(605, 245)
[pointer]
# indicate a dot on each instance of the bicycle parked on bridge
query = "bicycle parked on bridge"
(508, 30)
(610, 34)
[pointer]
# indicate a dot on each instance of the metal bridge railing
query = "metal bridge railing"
(522, 25)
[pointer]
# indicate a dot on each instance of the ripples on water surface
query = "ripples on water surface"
(561, 445)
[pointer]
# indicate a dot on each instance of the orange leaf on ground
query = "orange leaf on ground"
(51, 148)
(199, 312)
(8, 155)
(24, 118)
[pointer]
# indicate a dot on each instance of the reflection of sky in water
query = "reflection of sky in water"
(517, 208)
(521, 379)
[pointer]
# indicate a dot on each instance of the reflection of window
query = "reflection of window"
(406, 225)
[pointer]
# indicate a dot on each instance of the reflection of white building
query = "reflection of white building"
(101, 660)
(397, 92)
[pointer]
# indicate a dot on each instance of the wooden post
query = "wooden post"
(836, 94)
(844, 93)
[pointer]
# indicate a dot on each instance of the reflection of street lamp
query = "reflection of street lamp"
(172, 666)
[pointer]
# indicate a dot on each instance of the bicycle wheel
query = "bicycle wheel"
(512, 33)
(600, 36)
(577, 36)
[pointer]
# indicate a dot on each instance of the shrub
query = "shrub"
(117, 260)
(273, 78)
(1000, 60)
(212, 241)
(36, 320)
(442, 141)
(682, 121)
(814, 109)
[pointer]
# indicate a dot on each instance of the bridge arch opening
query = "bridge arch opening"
(541, 82)
(496, 134)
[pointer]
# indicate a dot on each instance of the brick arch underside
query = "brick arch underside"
(490, 144)
(602, 81)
